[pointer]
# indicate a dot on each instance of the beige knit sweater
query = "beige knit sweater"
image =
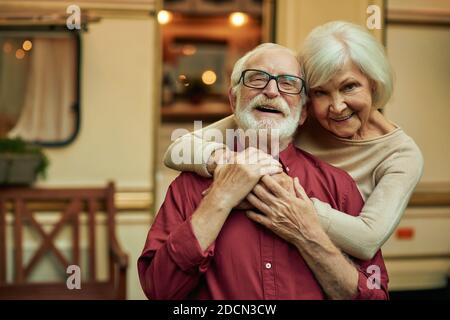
(386, 170)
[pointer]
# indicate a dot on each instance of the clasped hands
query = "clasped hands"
(253, 180)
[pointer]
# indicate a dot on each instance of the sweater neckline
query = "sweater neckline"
(386, 136)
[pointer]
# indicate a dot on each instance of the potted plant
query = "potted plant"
(21, 162)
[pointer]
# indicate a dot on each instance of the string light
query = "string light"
(164, 17)
(27, 45)
(20, 54)
(209, 77)
(238, 19)
(189, 50)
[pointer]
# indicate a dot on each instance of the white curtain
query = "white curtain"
(50, 92)
(13, 76)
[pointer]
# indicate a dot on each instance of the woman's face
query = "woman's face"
(343, 104)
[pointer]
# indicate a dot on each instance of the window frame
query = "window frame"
(76, 107)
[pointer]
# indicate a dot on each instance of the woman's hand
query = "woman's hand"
(288, 212)
(283, 180)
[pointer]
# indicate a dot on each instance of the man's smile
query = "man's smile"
(268, 109)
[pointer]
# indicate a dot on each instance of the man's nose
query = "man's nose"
(337, 104)
(271, 90)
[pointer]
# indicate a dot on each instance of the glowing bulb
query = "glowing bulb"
(20, 54)
(209, 77)
(183, 80)
(27, 45)
(189, 50)
(164, 17)
(238, 19)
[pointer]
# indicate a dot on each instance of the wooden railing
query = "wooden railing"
(24, 204)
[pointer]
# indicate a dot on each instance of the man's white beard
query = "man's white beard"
(286, 127)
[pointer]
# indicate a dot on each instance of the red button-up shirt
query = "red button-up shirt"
(247, 261)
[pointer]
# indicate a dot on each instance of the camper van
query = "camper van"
(92, 93)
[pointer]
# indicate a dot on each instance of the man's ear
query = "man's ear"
(232, 99)
(304, 114)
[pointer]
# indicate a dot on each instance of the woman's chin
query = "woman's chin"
(345, 133)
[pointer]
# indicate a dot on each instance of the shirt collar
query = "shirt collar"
(289, 157)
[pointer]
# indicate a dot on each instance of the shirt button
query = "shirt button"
(268, 265)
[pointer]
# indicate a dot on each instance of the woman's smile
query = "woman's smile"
(342, 118)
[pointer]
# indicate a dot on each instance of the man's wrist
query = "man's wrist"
(218, 200)
(218, 155)
(208, 219)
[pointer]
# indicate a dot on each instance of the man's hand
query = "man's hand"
(232, 183)
(234, 180)
(282, 178)
(287, 210)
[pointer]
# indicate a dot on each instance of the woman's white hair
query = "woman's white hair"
(328, 47)
(241, 64)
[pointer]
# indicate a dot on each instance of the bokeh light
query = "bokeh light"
(209, 77)
(27, 45)
(238, 19)
(20, 54)
(164, 17)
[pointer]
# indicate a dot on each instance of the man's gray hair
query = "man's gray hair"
(241, 64)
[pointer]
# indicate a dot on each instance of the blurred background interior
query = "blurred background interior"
(100, 105)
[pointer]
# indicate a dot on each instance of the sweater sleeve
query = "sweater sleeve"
(395, 179)
(192, 151)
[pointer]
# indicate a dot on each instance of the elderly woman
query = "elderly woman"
(350, 80)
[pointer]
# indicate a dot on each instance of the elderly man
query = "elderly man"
(204, 247)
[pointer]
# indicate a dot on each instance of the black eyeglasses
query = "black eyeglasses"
(258, 79)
